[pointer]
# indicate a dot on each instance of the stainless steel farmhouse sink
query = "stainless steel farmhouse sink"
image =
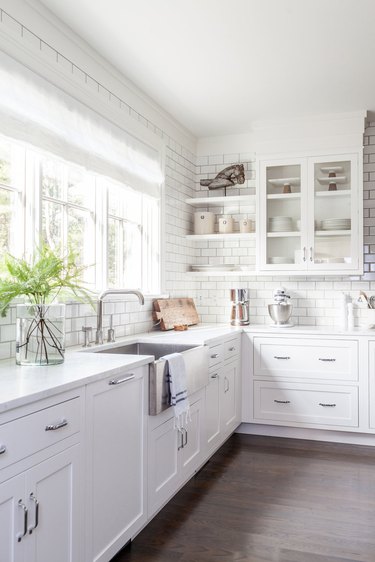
(196, 363)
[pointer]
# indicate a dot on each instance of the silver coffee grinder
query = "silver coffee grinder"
(240, 307)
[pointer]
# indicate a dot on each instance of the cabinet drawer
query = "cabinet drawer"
(231, 349)
(305, 403)
(216, 354)
(27, 435)
(304, 358)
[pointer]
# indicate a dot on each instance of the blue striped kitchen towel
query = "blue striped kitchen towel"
(177, 384)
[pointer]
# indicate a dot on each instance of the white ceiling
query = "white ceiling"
(218, 66)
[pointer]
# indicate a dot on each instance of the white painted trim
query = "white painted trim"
(309, 434)
(33, 15)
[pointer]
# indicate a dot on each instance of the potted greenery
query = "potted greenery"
(40, 338)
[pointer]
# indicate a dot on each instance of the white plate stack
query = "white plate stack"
(280, 224)
(336, 224)
(280, 260)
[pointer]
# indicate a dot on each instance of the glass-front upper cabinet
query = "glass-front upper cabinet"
(334, 226)
(309, 215)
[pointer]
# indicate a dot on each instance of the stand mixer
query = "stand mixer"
(281, 310)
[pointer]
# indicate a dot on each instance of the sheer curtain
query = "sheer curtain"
(35, 111)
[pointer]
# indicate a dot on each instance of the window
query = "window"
(68, 196)
(12, 165)
(113, 228)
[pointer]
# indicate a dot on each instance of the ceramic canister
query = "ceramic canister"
(225, 224)
(204, 223)
(246, 225)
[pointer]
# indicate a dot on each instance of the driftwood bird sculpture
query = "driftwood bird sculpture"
(230, 176)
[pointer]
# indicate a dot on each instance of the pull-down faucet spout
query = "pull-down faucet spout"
(99, 325)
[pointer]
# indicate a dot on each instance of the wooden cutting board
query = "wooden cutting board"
(172, 312)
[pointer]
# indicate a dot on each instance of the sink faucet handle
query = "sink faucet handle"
(87, 330)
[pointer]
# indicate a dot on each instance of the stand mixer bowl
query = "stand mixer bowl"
(280, 313)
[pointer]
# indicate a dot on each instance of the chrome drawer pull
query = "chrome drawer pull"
(24, 509)
(2, 449)
(36, 516)
(282, 401)
(55, 426)
(331, 359)
(120, 381)
(215, 356)
(181, 445)
(186, 438)
(280, 357)
(232, 349)
(215, 376)
(327, 405)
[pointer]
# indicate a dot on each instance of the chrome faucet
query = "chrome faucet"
(99, 326)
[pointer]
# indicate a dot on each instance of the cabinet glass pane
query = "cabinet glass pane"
(283, 214)
(332, 212)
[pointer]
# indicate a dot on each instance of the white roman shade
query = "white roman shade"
(35, 111)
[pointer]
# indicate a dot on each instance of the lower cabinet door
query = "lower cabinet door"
(116, 462)
(306, 403)
(229, 398)
(213, 390)
(54, 509)
(191, 452)
(163, 460)
(12, 519)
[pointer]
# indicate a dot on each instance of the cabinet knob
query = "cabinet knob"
(2, 449)
(215, 356)
(215, 376)
(232, 349)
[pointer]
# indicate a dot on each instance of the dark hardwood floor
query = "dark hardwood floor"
(264, 499)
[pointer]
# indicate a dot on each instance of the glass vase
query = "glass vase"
(40, 337)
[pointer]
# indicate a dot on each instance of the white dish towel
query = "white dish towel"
(177, 382)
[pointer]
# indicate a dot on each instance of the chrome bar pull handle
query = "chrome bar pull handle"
(282, 401)
(304, 253)
(215, 356)
(24, 509)
(226, 384)
(2, 449)
(311, 254)
(59, 425)
(232, 349)
(286, 357)
(327, 405)
(186, 438)
(120, 381)
(36, 513)
(215, 376)
(181, 435)
(327, 359)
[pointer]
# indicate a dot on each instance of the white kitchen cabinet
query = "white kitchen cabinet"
(40, 501)
(174, 455)
(116, 462)
(304, 381)
(12, 527)
(371, 369)
(310, 214)
(223, 401)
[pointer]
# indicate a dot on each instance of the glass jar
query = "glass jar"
(40, 335)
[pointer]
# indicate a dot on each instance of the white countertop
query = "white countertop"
(20, 385)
